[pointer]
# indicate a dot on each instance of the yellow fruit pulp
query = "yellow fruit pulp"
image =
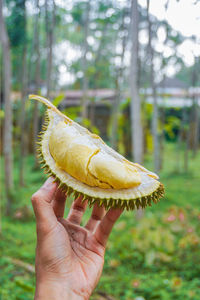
(82, 158)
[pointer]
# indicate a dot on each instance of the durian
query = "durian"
(84, 165)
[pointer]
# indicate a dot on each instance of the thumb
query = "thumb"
(42, 204)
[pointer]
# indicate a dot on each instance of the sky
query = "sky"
(182, 15)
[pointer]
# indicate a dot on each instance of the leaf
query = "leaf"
(168, 241)
(2, 114)
(24, 285)
(95, 130)
(164, 257)
(114, 263)
(150, 257)
(86, 122)
(156, 238)
(56, 101)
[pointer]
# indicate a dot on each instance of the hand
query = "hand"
(69, 258)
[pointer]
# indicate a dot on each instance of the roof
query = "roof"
(73, 97)
(168, 82)
(98, 93)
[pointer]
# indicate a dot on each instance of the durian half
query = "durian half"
(84, 165)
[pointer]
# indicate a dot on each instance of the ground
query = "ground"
(156, 257)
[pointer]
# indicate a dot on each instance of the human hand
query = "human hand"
(69, 257)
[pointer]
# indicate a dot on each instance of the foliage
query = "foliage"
(158, 256)
(172, 126)
(149, 256)
(105, 34)
(154, 258)
(56, 101)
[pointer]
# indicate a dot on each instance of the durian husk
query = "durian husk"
(150, 190)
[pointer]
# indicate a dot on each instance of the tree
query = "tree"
(50, 18)
(98, 55)
(136, 125)
(155, 104)
(119, 81)
(194, 119)
(22, 120)
(37, 78)
(8, 111)
(84, 61)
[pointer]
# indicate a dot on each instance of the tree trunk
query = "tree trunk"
(115, 113)
(184, 137)
(155, 129)
(178, 153)
(197, 129)
(37, 81)
(7, 134)
(135, 107)
(119, 83)
(186, 152)
(155, 104)
(194, 120)
(23, 118)
(50, 24)
(136, 124)
(162, 111)
(22, 121)
(84, 63)
(98, 55)
(162, 139)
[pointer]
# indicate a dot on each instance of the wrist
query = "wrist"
(55, 290)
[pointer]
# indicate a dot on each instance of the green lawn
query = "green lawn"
(157, 257)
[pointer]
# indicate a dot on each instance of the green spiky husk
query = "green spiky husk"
(129, 204)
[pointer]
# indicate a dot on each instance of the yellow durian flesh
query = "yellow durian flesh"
(114, 191)
(79, 156)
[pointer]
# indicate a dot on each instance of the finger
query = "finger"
(98, 213)
(42, 202)
(105, 226)
(77, 210)
(59, 203)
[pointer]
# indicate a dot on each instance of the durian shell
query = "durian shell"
(150, 190)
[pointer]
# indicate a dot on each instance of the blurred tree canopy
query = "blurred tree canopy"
(103, 39)
(57, 46)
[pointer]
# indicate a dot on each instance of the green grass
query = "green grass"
(153, 258)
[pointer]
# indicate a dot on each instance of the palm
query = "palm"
(74, 252)
(86, 257)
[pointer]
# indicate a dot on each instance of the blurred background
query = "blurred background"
(129, 71)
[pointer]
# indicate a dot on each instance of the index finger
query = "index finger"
(59, 203)
(105, 226)
(42, 204)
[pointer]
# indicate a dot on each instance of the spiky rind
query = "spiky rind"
(129, 204)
